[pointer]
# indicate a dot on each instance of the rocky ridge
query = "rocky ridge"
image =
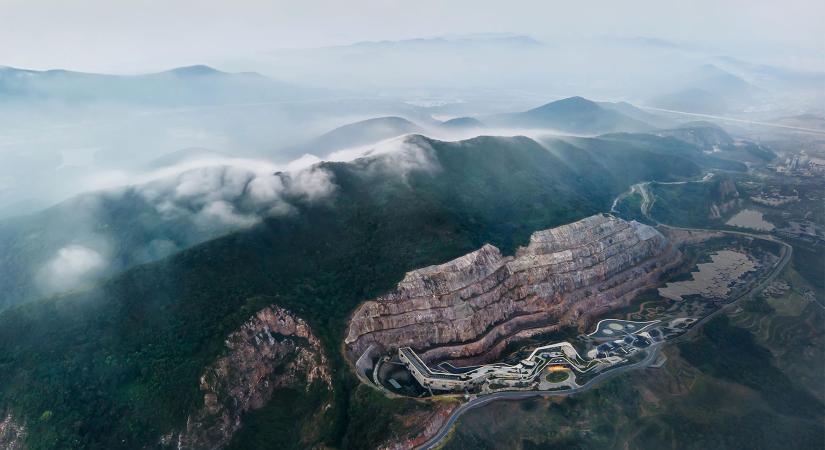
(273, 349)
(469, 308)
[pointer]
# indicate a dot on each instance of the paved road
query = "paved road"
(647, 197)
(434, 441)
(734, 119)
(785, 256)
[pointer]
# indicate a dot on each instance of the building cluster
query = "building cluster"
(802, 164)
(776, 289)
(521, 375)
(774, 199)
(804, 230)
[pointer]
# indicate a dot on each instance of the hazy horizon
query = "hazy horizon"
(111, 37)
(330, 64)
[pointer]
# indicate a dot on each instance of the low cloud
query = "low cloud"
(311, 184)
(398, 156)
(218, 195)
(110, 179)
(209, 197)
(410, 154)
(224, 213)
(72, 266)
(236, 196)
(228, 193)
(265, 189)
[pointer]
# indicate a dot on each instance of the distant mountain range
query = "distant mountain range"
(571, 115)
(371, 131)
(575, 115)
(483, 39)
(408, 65)
(709, 90)
(629, 110)
(183, 86)
(463, 123)
(774, 76)
(359, 134)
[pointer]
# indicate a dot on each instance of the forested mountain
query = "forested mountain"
(97, 235)
(118, 363)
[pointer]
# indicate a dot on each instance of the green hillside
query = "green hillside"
(118, 365)
(130, 230)
(122, 224)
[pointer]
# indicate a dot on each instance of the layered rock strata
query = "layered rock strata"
(469, 308)
(274, 349)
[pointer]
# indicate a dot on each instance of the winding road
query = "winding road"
(647, 198)
(476, 402)
(652, 352)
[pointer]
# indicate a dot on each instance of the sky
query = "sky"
(131, 36)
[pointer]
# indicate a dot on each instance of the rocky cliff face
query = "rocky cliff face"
(469, 308)
(727, 198)
(273, 349)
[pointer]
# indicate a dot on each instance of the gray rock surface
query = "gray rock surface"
(12, 433)
(273, 349)
(469, 308)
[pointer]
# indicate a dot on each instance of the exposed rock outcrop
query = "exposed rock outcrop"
(273, 349)
(469, 308)
(727, 199)
(432, 420)
(12, 433)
